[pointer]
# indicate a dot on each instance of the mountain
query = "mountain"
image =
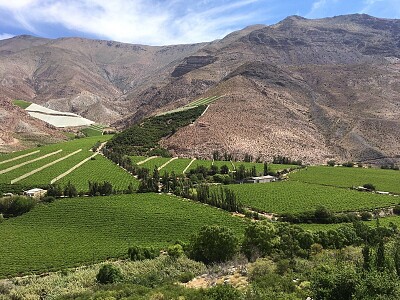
(19, 130)
(308, 89)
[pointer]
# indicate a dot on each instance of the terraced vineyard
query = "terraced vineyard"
(99, 170)
(384, 180)
(155, 162)
(177, 166)
(198, 102)
(93, 130)
(291, 197)
(76, 231)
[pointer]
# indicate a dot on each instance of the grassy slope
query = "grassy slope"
(74, 231)
(290, 197)
(21, 103)
(384, 180)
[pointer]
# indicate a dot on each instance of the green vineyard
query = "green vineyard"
(70, 232)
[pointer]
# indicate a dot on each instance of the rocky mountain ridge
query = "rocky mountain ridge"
(309, 89)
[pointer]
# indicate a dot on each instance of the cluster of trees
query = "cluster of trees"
(286, 161)
(16, 205)
(322, 215)
(220, 197)
(390, 167)
(104, 188)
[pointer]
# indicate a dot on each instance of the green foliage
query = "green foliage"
(70, 190)
(140, 253)
(48, 199)
(260, 238)
(294, 197)
(213, 244)
(16, 205)
(21, 103)
(331, 163)
(223, 292)
(142, 138)
(175, 251)
(334, 282)
(383, 180)
(369, 186)
(77, 231)
(109, 274)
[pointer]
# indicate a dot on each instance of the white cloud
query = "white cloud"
(151, 22)
(321, 8)
(4, 36)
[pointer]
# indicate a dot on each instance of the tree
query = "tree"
(380, 256)
(109, 274)
(213, 244)
(366, 252)
(224, 169)
(259, 239)
(54, 190)
(70, 190)
(265, 172)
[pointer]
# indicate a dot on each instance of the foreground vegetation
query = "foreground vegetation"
(76, 231)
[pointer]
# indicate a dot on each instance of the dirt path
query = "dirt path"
(28, 162)
(44, 167)
(188, 166)
(18, 157)
(146, 160)
(172, 159)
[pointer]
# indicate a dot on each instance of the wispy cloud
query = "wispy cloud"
(140, 21)
(4, 36)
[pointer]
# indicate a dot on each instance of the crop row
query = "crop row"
(70, 232)
(98, 170)
(292, 197)
(384, 180)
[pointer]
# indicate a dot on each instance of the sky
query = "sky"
(162, 22)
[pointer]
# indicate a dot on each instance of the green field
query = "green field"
(155, 162)
(292, 197)
(198, 102)
(93, 130)
(177, 166)
(21, 103)
(99, 170)
(71, 232)
(383, 180)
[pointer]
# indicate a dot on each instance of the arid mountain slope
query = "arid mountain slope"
(308, 89)
(19, 130)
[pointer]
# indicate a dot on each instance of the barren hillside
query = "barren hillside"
(308, 89)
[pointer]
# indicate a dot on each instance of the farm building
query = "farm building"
(35, 193)
(260, 179)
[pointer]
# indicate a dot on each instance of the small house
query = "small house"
(260, 179)
(35, 193)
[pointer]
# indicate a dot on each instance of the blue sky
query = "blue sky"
(162, 22)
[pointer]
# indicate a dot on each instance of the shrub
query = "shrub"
(331, 163)
(141, 253)
(48, 199)
(175, 251)
(369, 186)
(348, 164)
(366, 216)
(20, 205)
(223, 292)
(213, 244)
(396, 209)
(185, 277)
(109, 274)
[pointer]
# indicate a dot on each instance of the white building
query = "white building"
(35, 193)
